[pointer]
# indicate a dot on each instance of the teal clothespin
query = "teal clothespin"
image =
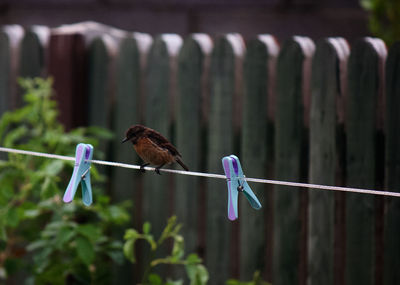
(236, 183)
(83, 155)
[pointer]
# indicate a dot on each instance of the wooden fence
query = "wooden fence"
(295, 111)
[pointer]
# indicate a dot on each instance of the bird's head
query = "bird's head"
(133, 133)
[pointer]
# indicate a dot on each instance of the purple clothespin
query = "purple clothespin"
(81, 174)
(236, 183)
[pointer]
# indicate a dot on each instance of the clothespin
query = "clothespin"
(83, 155)
(236, 184)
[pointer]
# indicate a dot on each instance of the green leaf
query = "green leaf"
(151, 241)
(178, 248)
(176, 282)
(131, 234)
(129, 250)
(198, 274)
(12, 218)
(90, 231)
(85, 250)
(193, 258)
(14, 135)
(154, 279)
(64, 235)
(54, 167)
(37, 245)
(146, 228)
(168, 230)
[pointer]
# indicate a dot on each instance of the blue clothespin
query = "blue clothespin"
(236, 183)
(83, 155)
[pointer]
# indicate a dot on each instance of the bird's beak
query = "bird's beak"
(125, 140)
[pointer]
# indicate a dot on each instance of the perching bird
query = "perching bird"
(152, 147)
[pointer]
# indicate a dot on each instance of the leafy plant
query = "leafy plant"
(384, 18)
(196, 272)
(256, 281)
(66, 242)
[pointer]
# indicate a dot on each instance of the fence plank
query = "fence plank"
(192, 71)
(129, 88)
(392, 213)
(256, 149)
(10, 37)
(331, 54)
(100, 68)
(290, 156)
(364, 82)
(220, 143)
(67, 67)
(68, 50)
(157, 195)
(32, 52)
(126, 184)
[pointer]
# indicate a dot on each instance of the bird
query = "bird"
(152, 147)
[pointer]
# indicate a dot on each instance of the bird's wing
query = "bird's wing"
(162, 142)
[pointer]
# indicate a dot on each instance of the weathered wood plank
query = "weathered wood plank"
(126, 184)
(192, 84)
(33, 52)
(227, 50)
(256, 149)
(129, 89)
(100, 54)
(68, 65)
(364, 83)
(68, 52)
(160, 71)
(328, 64)
(392, 165)
(290, 157)
(10, 37)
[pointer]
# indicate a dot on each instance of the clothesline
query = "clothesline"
(208, 175)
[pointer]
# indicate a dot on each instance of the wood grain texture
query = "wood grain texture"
(363, 87)
(256, 149)
(290, 156)
(326, 91)
(220, 144)
(392, 164)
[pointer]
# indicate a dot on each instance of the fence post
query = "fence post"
(101, 54)
(290, 157)
(228, 49)
(364, 83)
(157, 195)
(10, 37)
(33, 51)
(392, 213)
(256, 151)
(192, 85)
(67, 50)
(126, 184)
(129, 88)
(327, 93)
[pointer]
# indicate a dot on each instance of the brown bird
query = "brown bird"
(152, 147)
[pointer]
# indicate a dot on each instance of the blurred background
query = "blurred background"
(282, 18)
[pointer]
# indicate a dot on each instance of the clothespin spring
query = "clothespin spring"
(84, 174)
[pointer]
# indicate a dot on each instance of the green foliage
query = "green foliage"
(66, 242)
(196, 272)
(256, 281)
(384, 18)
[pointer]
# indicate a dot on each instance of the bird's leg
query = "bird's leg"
(158, 169)
(142, 167)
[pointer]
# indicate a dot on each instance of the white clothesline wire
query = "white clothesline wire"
(209, 175)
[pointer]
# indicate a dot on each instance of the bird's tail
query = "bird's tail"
(178, 160)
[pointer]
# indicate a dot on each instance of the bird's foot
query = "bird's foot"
(157, 169)
(142, 167)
